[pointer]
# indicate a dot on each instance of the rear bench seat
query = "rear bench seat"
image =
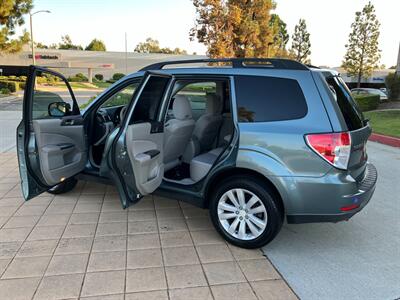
(201, 164)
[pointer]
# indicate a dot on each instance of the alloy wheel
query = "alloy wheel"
(242, 214)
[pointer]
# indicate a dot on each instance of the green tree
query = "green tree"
(96, 45)
(11, 16)
(66, 44)
(149, 46)
(281, 36)
(234, 28)
(301, 45)
(362, 52)
(153, 46)
(40, 45)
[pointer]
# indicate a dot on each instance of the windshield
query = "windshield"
(348, 106)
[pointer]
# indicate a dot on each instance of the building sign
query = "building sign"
(46, 56)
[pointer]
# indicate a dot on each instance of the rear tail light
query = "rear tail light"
(333, 147)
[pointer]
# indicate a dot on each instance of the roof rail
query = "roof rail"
(276, 63)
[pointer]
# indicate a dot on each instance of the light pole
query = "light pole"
(398, 63)
(32, 43)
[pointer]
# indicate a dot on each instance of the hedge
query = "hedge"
(12, 86)
(78, 78)
(367, 102)
(118, 76)
(99, 77)
(393, 84)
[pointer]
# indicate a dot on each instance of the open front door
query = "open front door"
(135, 157)
(51, 139)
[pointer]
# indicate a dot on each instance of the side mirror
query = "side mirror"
(59, 109)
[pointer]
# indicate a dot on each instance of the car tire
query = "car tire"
(263, 209)
(63, 187)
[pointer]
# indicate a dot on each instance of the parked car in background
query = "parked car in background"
(368, 91)
(384, 90)
(256, 143)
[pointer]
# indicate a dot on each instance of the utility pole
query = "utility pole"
(32, 43)
(398, 62)
(126, 54)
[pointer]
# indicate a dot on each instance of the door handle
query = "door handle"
(152, 153)
(68, 123)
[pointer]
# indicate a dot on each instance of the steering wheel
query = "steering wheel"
(106, 124)
(122, 113)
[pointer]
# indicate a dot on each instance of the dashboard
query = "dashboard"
(106, 119)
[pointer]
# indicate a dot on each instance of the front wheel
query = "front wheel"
(245, 212)
(63, 187)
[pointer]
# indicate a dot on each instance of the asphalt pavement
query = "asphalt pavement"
(358, 259)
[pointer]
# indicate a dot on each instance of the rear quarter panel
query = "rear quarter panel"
(278, 150)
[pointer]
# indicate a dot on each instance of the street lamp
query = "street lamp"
(32, 44)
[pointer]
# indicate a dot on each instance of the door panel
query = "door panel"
(61, 149)
(133, 155)
(145, 150)
(51, 138)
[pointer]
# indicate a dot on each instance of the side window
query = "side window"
(122, 97)
(265, 99)
(51, 97)
(149, 103)
(196, 93)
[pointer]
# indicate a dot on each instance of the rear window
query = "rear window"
(266, 99)
(351, 113)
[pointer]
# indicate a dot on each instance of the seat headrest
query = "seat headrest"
(181, 108)
(213, 104)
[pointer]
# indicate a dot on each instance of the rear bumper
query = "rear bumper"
(365, 190)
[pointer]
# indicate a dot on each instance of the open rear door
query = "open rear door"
(134, 155)
(51, 139)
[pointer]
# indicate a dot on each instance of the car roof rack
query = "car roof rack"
(275, 63)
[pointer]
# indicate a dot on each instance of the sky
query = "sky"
(170, 21)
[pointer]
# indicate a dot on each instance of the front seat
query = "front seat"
(207, 126)
(178, 131)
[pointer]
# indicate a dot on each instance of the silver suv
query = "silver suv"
(253, 140)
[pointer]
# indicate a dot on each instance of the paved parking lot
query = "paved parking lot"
(83, 244)
(358, 259)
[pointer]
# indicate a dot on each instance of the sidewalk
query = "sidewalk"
(84, 244)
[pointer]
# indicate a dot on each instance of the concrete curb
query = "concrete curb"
(386, 140)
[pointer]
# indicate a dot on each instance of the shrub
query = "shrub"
(118, 76)
(78, 78)
(51, 78)
(5, 91)
(99, 77)
(41, 79)
(10, 85)
(13, 78)
(22, 85)
(367, 102)
(393, 85)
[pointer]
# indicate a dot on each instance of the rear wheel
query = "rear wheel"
(245, 212)
(63, 187)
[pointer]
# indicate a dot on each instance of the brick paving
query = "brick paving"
(83, 245)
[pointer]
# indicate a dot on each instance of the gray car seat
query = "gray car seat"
(178, 131)
(206, 129)
(207, 126)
